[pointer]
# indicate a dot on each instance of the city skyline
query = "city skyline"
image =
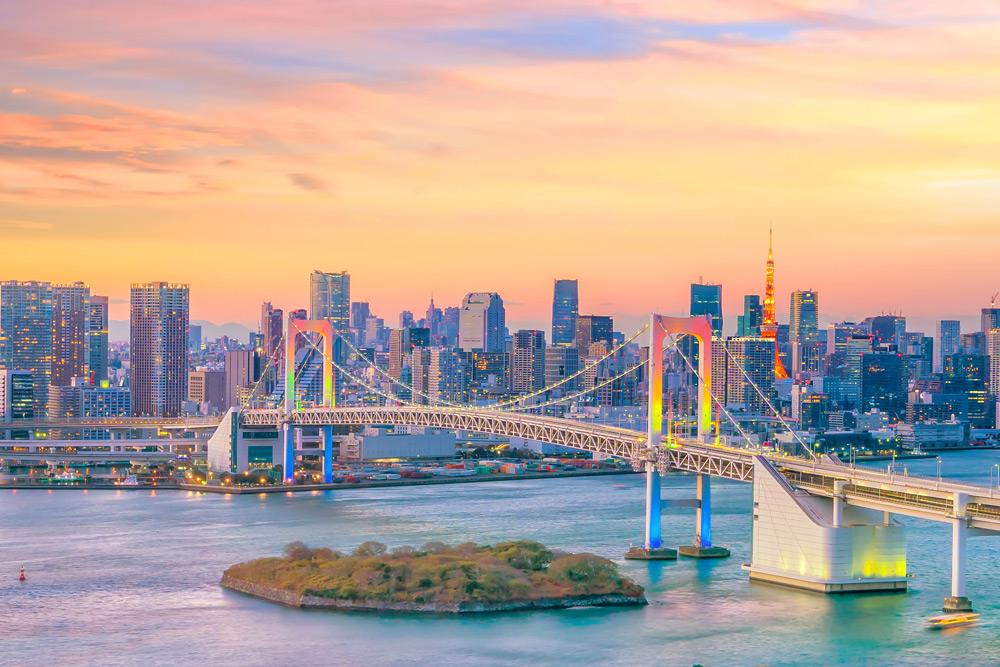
(647, 143)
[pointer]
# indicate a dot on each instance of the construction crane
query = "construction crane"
(993, 301)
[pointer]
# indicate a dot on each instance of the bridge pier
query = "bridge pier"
(652, 548)
(327, 433)
(957, 601)
(288, 458)
(702, 547)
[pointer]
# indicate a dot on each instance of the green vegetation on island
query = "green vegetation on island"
(435, 578)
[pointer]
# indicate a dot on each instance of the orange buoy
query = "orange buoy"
(22, 577)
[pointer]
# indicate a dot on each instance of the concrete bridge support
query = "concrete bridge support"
(703, 547)
(327, 434)
(288, 457)
(957, 601)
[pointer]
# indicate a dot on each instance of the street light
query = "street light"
(939, 470)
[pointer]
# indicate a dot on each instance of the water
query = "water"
(127, 577)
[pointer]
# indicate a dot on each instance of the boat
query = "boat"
(953, 620)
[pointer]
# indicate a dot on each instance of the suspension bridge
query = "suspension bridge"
(818, 523)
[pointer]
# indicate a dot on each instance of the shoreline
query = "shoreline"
(300, 488)
(306, 601)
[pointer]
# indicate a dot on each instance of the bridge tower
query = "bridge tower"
(324, 329)
(660, 327)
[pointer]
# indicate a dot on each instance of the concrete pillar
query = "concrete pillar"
(886, 518)
(703, 515)
(957, 601)
(654, 538)
(288, 458)
(327, 433)
(838, 503)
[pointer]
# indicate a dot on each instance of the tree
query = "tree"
(370, 548)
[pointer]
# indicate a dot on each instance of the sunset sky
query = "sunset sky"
(449, 146)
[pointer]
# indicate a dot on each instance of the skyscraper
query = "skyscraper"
(330, 298)
(433, 320)
(16, 395)
(97, 339)
(989, 320)
(565, 308)
(706, 299)
(449, 326)
(593, 329)
(70, 324)
(242, 372)
(160, 316)
(769, 324)
(748, 324)
(482, 322)
(883, 383)
(886, 330)
(447, 377)
(26, 335)
(804, 320)
(271, 328)
(360, 312)
(756, 357)
(949, 341)
(993, 346)
(528, 360)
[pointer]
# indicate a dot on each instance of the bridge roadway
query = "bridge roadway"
(114, 423)
(865, 487)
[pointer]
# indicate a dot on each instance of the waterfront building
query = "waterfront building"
(706, 299)
(803, 324)
(949, 341)
(160, 315)
(482, 322)
(528, 361)
(97, 339)
(748, 324)
(16, 395)
(26, 335)
(565, 309)
(593, 329)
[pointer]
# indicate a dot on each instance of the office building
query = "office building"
(489, 375)
(561, 362)
(16, 395)
(330, 298)
(207, 389)
(26, 335)
(528, 361)
(447, 376)
(803, 325)
(565, 309)
(886, 330)
(420, 376)
(706, 299)
(756, 357)
(450, 325)
(271, 327)
(989, 320)
(242, 369)
(592, 329)
(748, 324)
(967, 376)
(883, 383)
(195, 337)
(70, 324)
(433, 320)
(160, 316)
(949, 341)
(360, 312)
(482, 323)
(97, 339)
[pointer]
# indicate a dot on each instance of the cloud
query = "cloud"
(308, 182)
(26, 225)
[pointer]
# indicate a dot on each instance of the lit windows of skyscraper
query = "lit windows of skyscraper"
(447, 376)
(160, 317)
(993, 347)
(70, 324)
(488, 375)
(482, 322)
(949, 341)
(528, 360)
(565, 309)
(883, 383)
(886, 330)
(330, 298)
(968, 375)
(804, 323)
(97, 339)
(16, 395)
(560, 362)
(989, 320)
(756, 357)
(26, 335)
(706, 299)
(748, 324)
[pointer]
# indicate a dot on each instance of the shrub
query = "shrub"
(297, 550)
(370, 548)
(524, 554)
(434, 547)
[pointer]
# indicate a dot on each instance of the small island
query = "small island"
(435, 578)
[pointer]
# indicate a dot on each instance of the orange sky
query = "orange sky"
(452, 146)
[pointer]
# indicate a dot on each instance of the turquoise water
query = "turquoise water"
(120, 578)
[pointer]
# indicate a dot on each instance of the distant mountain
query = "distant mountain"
(118, 330)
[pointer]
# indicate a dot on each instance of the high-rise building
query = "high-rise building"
(973, 343)
(949, 341)
(272, 324)
(488, 375)
(208, 388)
(447, 376)
(482, 322)
(886, 330)
(748, 324)
(399, 347)
(450, 325)
(330, 298)
(804, 321)
(97, 339)
(360, 312)
(70, 323)
(883, 383)
(195, 337)
(406, 319)
(989, 320)
(706, 299)
(561, 361)
(433, 320)
(769, 323)
(528, 361)
(756, 357)
(242, 372)
(593, 329)
(16, 395)
(420, 376)
(26, 335)
(993, 346)
(565, 308)
(160, 316)
(968, 375)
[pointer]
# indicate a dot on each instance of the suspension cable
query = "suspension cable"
(263, 374)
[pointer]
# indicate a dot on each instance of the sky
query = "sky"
(447, 146)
